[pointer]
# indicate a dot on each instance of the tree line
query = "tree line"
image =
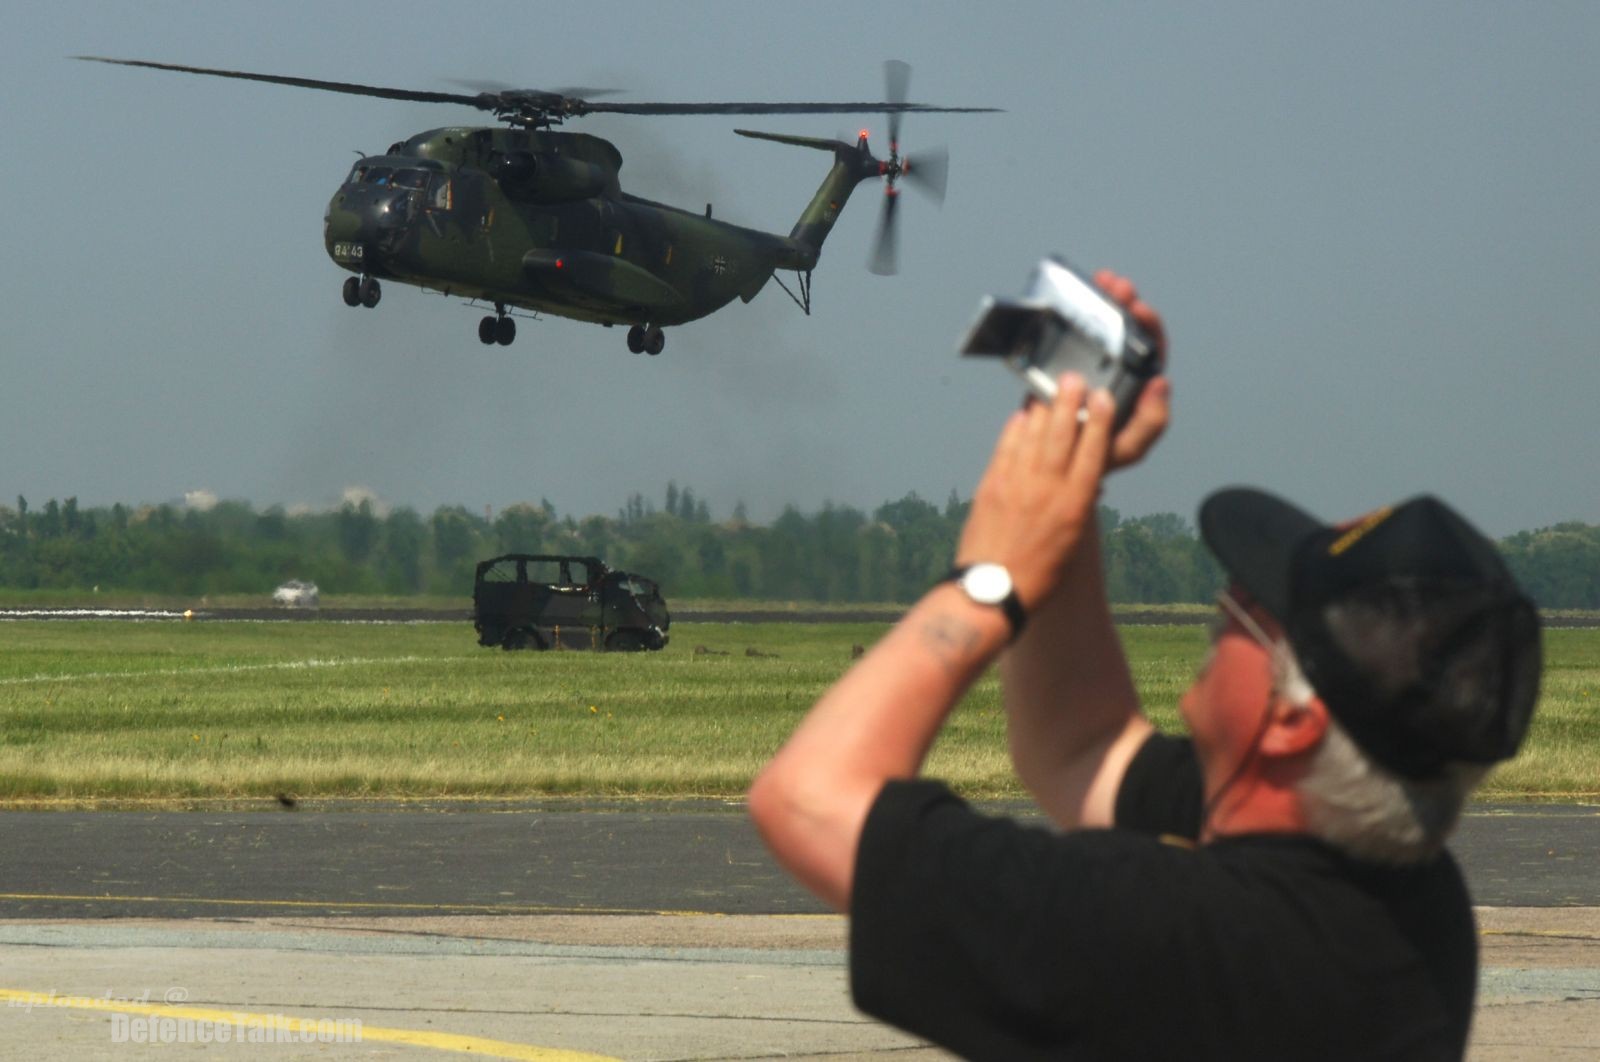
(835, 554)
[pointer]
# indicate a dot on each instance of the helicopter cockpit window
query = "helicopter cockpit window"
(439, 193)
(410, 178)
(380, 175)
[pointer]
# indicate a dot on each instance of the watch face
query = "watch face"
(987, 584)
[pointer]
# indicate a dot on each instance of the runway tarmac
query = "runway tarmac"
(569, 930)
(555, 856)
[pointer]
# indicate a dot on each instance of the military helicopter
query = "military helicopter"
(523, 216)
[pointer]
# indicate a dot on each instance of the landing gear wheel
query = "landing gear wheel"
(369, 292)
(654, 342)
(352, 291)
(505, 330)
(636, 339)
(486, 330)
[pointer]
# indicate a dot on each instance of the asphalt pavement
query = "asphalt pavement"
(568, 930)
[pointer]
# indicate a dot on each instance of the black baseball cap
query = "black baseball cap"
(1406, 621)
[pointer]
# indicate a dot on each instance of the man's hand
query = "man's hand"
(1073, 717)
(1154, 408)
(1039, 492)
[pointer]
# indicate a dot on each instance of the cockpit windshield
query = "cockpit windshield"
(383, 176)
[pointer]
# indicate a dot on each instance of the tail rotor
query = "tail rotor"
(925, 172)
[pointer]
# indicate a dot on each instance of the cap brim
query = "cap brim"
(1254, 535)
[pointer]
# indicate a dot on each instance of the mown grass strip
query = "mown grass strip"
(94, 711)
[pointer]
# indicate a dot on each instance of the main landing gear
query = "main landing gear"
(497, 329)
(362, 291)
(642, 340)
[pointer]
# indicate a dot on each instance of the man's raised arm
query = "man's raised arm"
(1030, 512)
(1073, 715)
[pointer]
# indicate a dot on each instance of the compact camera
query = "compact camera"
(1064, 323)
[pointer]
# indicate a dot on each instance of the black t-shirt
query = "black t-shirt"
(1006, 941)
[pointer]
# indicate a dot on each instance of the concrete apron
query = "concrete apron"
(568, 987)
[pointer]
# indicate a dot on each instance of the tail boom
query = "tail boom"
(852, 164)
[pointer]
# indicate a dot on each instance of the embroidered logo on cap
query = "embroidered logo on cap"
(1359, 530)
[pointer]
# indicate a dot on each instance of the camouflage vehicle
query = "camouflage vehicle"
(548, 601)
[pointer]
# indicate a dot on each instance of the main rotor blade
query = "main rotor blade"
(486, 102)
(530, 102)
(881, 107)
(566, 90)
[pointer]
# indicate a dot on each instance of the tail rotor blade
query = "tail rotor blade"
(883, 253)
(897, 80)
(927, 171)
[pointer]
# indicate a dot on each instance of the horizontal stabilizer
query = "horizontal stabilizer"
(799, 141)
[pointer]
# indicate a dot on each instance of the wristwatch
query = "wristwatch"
(990, 584)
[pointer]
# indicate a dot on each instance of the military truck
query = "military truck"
(549, 601)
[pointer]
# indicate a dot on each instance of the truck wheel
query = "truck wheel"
(625, 642)
(523, 638)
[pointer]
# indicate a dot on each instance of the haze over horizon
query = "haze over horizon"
(1371, 228)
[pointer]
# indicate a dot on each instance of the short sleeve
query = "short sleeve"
(959, 923)
(1161, 791)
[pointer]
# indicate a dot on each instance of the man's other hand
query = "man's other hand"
(1154, 408)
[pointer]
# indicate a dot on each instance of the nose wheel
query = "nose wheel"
(642, 340)
(497, 329)
(362, 291)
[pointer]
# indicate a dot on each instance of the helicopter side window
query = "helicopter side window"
(439, 195)
(410, 178)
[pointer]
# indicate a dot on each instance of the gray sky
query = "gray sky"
(1372, 228)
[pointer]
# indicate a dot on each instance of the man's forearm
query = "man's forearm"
(1071, 707)
(875, 723)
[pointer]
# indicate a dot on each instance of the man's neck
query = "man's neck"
(1258, 805)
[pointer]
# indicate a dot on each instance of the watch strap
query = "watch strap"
(1010, 606)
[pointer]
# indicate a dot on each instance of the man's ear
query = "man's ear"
(1295, 729)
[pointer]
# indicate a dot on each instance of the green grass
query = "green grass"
(107, 711)
(10, 597)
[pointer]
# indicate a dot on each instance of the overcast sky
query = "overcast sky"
(1372, 227)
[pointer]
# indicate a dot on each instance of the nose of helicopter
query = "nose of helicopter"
(344, 231)
(359, 218)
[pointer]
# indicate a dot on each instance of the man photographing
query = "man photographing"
(1275, 886)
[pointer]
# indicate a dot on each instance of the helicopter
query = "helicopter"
(523, 216)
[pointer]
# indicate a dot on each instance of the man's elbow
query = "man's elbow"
(777, 808)
(767, 803)
(806, 830)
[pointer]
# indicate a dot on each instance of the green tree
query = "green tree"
(358, 531)
(925, 544)
(404, 538)
(522, 528)
(1558, 567)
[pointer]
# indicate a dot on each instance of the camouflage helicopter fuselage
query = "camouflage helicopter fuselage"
(533, 218)
(537, 219)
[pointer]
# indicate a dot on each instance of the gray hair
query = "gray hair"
(1365, 809)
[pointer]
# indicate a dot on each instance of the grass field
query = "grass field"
(118, 711)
